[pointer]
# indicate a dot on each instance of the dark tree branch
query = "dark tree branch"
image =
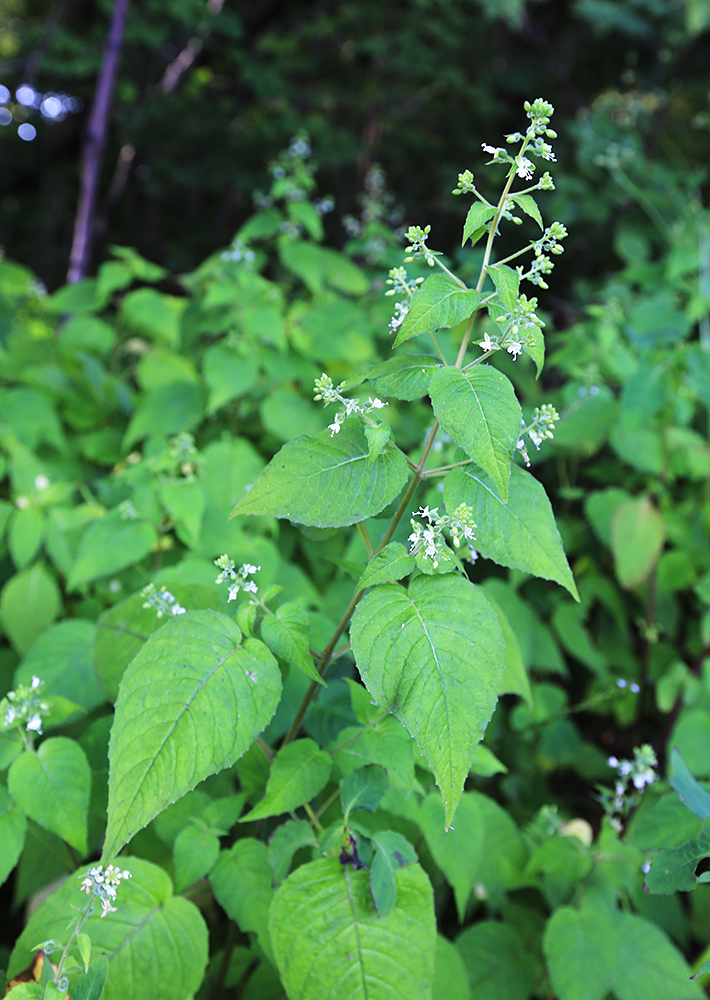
(92, 154)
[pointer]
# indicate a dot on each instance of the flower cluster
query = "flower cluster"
(417, 239)
(465, 184)
(23, 708)
(102, 885)
(325, 390)
(238, 251)
(429, 538)
(632, 778)
(539, 429)
(401, 286)
(238, 578)
(162, 600)
(516, 326)
(533, 142)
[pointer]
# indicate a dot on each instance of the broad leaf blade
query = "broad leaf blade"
(507, 282)
(691, 792)
(299, 771)
(326, 482)
(673, 869)
(329, 942)
(480, 411)
(241, 881)
(392, 563)
(405, 376)
(52, 786)
(151, 922)
(522, 533)
(433, 655)
(478, 216)
(528, 205)
(393, 852)
(190, 704)
(441, 302)
(579, 947)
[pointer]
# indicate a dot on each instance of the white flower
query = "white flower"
(524, 168)
(377, 404)
(493, 150)
(487, 344)
(34, 724)
(41, 482)
(515, 348)
(334, 428)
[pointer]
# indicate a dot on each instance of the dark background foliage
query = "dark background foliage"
(208, 92)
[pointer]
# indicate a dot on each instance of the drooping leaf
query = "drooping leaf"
(393, 851)
(329, 942)
(507, 282)
(326, 482)
(478, 216)
(90, 985)
(528, 204)
(688, 788)
(286, 634)
(152, 923)
(377, 439)
(480, 411)
(190, 704)
(299, 771)
(433, 656)
(520, 533)
(392, 563)
(52, 786)
(439, 302)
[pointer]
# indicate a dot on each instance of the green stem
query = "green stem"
(445, 468)
(366, 539)
(436, 345)
(75, 934)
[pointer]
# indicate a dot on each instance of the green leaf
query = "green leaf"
(326, 482)
(122, 630)
(184, 500)
(392, 563)
(439, 302)
(25, 535)
(157, 943)
(580, 948)
(169, 409)
(63, 657)
(498, 962)
(433, 656)
(637, 536)
(29, 603)
(108, 545)
(673, 870)
(515, 679)
(284, 842)
(691, 792)
(241, 882)
(90, 985)
(228, 375)
(528, 205)
(478, 216)
(153, 315)
(299, 771)
(458, 850)
(507, 283)
(534, 347)
(190, 704)
(451, 980)
(377, 440)
(286, 634)
(480, 411)
(647, 964)
(405, 376)
(522, 533)
(195, 852)
(52, 786)
(363, 789)
(329, 942)
(318, 266)
(393, 851)
(13, 827)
